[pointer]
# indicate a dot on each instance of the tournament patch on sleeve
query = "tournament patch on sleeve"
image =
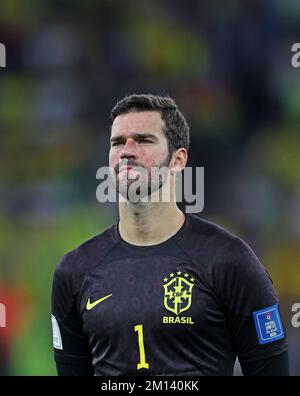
(268, 324)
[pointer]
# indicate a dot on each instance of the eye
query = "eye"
(145, 141)
(117, 143)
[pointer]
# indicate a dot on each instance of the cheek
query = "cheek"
(155, 158)
(113, 158)
(147, 161)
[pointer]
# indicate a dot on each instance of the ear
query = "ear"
(179, 160)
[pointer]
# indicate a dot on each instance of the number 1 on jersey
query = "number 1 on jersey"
(142, 364)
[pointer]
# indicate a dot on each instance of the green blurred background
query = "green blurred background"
(227, 65)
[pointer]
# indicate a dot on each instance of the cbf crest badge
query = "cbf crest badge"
(178, 296)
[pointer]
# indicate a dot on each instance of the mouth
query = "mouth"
(126, 168)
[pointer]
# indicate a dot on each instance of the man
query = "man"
(162, 292)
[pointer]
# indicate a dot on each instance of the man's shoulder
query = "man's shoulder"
(88, 253)
(203, 228)
(220, 254)
(205, 235)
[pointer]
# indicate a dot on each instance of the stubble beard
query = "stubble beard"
(148, 186)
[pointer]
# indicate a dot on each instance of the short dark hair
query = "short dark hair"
(176, 130)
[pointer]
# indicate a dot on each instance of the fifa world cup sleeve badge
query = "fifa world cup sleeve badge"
(268, 324)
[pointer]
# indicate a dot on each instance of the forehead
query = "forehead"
(133, 122)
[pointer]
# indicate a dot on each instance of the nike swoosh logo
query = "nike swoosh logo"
(90, 305)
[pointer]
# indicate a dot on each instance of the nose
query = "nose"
(129, 149)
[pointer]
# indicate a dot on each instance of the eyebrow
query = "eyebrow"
(135, 136)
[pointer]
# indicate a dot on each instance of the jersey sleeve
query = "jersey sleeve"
(71, 348)
(274, 366)
(252, 309)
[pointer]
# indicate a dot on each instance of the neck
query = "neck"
(149, 223)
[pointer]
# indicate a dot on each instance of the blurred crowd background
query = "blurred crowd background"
(227, 65)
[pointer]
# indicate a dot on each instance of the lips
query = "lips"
(127, 168)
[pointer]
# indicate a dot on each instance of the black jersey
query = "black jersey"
(187, 306)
